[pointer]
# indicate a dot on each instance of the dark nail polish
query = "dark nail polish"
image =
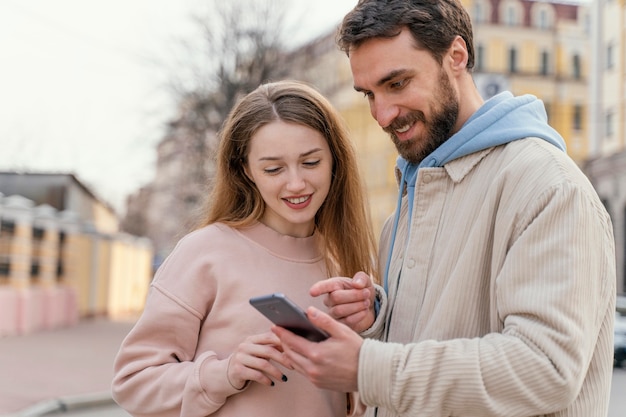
(284, 378)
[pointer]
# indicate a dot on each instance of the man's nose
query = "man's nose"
(384, 111)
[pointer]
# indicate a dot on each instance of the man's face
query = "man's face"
(409, 93)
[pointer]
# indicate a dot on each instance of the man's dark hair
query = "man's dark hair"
(433, 23)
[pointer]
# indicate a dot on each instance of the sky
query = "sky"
(83, 84)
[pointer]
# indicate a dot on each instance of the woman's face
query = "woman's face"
(291, 166)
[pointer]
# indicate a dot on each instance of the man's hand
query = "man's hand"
(349, 300)
(331, 364)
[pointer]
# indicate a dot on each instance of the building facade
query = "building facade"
(539, 48)
(62, 256)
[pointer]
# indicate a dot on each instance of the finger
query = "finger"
(241, 368)
(324, 322)
(267, 338)
(297, 361)
(362, 296)
(330, 285)
(351, 311)
(291, 343)
(361, 280)
(258, 367)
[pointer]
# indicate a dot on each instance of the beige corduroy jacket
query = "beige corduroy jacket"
(503, 302)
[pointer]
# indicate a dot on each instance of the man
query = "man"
(499, 263)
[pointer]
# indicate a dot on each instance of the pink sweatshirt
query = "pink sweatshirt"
(173, 362)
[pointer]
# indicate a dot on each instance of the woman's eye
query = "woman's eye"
(271, 170)
(312, 163)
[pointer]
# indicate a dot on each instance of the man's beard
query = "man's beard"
(437, 131)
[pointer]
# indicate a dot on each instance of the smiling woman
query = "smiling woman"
(286, 195)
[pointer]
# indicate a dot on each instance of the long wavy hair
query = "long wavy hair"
(343, 220)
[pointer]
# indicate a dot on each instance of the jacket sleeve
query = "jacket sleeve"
(553, 295)
(376, 331)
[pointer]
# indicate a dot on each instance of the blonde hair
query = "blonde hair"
(343, 219)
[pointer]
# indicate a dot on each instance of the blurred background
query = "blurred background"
(109, 112)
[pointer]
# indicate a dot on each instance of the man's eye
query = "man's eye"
(368, 95)
(398, 84)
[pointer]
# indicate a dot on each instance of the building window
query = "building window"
(543, 20)
(60, 265)
(512, 60)
(609, 128)
(576, 72)
(610, 58)
(7, 228)
(38, 233)
(510, 17)
(578, 117)
(545, 63)
(7, 231)
(478, 12)
(480, 57)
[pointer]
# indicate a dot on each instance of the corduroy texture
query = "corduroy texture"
(503, 302)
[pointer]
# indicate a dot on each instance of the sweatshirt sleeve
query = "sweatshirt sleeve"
(156, 371)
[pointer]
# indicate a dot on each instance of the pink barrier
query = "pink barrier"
(8, 312)
(29, 310)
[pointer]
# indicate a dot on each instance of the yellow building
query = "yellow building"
(62, 256)
(539, 48)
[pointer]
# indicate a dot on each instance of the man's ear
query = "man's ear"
(458, 54)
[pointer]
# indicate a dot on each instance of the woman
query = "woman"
(287, 210)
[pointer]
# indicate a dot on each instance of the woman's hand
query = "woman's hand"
(251, 361)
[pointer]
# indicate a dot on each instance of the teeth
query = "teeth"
(403, 129)
(297, 200)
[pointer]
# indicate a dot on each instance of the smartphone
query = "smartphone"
(285, 313)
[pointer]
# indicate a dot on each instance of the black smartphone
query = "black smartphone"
(285, 313)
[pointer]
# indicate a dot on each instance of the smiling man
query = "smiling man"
(499, 266)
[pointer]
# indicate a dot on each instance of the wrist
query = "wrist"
(236, 385)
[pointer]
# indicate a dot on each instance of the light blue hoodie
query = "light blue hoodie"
(501, 119)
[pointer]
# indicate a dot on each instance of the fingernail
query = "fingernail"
(272, 383)
(284, 378)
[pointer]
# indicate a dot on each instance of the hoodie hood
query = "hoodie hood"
(500, 120)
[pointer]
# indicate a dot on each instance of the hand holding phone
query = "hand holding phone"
(285, 313)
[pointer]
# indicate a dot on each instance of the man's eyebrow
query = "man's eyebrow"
(390, 76)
